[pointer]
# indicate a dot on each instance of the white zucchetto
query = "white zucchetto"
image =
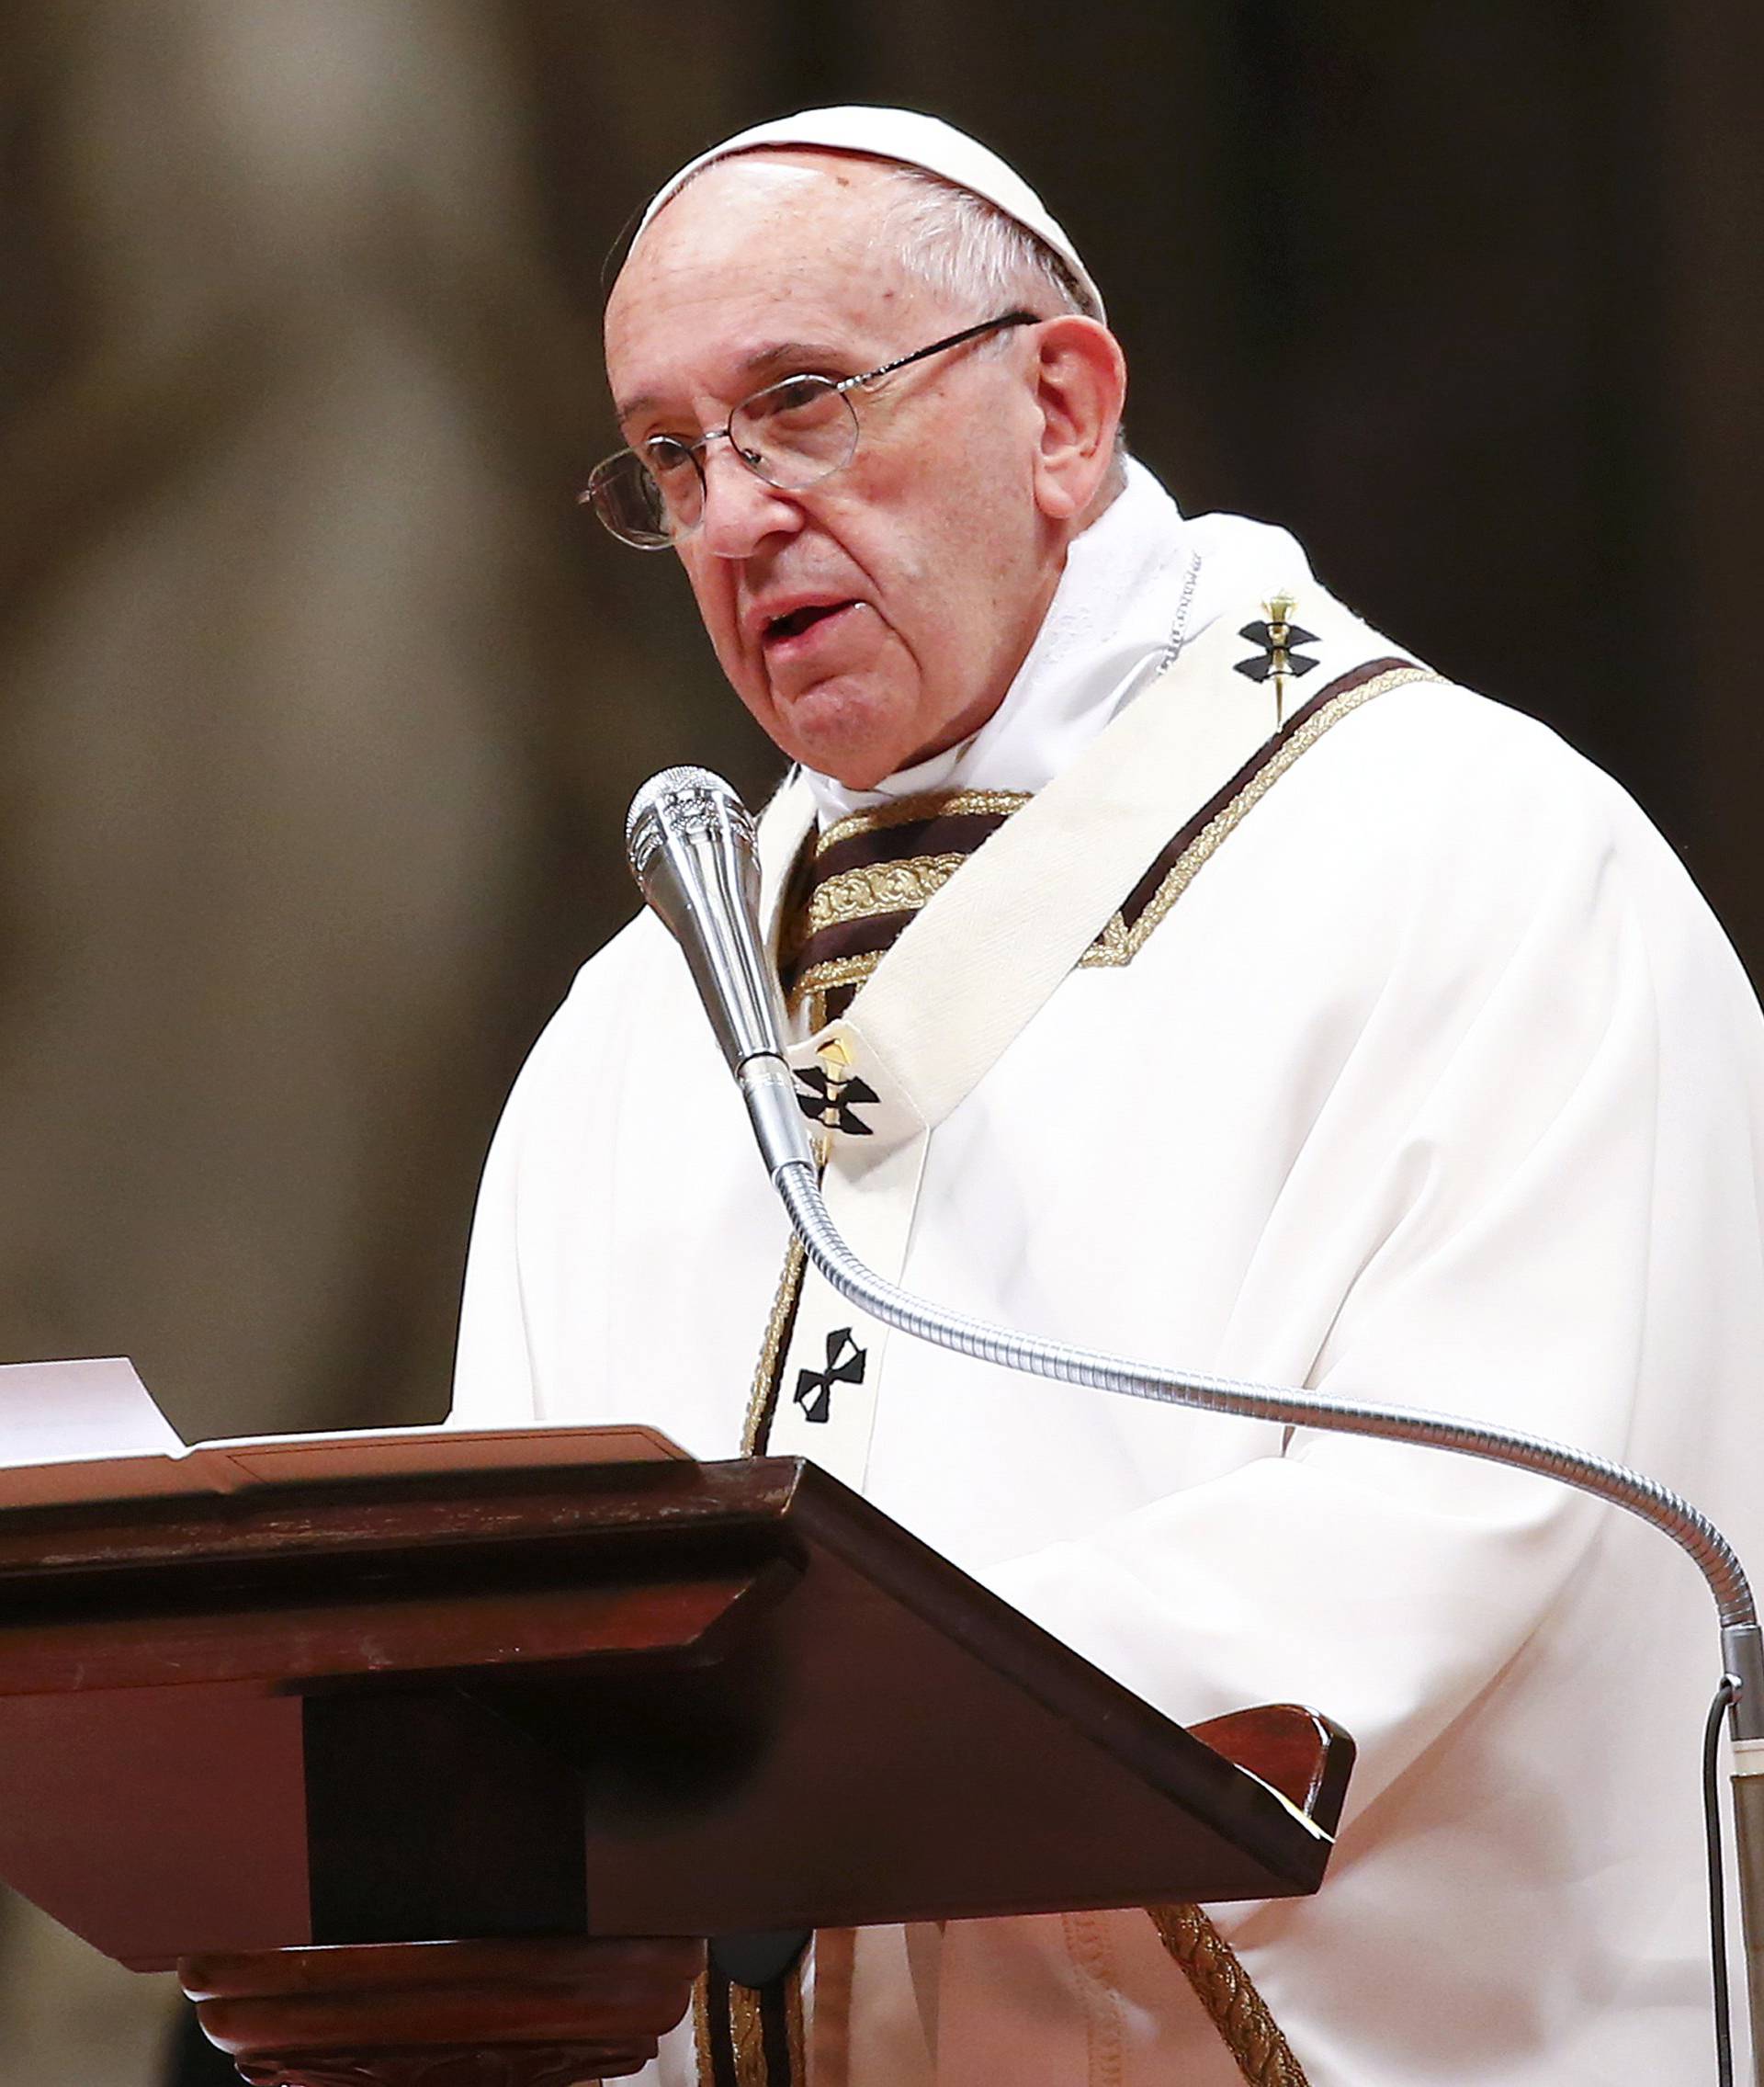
(914, 140)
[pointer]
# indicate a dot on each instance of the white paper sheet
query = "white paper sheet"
(55, 1412)
(90, 1431)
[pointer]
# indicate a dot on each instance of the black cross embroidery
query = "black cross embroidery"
(829, 1097)
(814, 1392)
(1276, 656)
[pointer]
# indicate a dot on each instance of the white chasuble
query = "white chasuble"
(1416, 1071)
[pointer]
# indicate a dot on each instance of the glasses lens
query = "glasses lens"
(672, 484)
(626, 496)
(795, 432)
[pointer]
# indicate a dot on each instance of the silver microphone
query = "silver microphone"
(689, 840)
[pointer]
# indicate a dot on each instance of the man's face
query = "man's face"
(879, 616)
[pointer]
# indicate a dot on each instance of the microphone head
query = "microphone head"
(682, 804)
(691, 844)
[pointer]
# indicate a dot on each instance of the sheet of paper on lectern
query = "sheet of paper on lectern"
(54, 1412)
(90, 1431)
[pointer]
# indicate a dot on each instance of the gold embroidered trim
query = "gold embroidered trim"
(880, 888)
(766, 1373)
(747, 2036)
(905, 810)
(821, 979)
(1225, 1989)
(1118, 944)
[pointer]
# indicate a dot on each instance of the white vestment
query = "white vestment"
(1436, 1085)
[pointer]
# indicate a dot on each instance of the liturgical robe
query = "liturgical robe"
(1417, 1072)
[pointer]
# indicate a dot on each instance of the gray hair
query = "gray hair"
(969, 251)
(976, 257)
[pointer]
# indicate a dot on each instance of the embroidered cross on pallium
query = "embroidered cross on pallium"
(1277, 638)
(831, 1098)
(845, 1361)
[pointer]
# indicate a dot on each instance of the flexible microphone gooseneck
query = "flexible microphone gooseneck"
(691, 844)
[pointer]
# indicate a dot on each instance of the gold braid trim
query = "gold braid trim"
(765, 1374)
(907, 811)
(835, 972)
(880, 888)
(747, 2035)
(1225, 1989)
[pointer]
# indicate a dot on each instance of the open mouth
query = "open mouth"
(801, 619)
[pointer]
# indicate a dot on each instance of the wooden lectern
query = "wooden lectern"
(278, 1737)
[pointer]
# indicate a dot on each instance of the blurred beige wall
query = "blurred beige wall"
(271, 669)
(285, 623)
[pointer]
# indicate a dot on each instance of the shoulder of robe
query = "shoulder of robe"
(633, 986)
(626, 963)
(1443, 776)
(1442, 832)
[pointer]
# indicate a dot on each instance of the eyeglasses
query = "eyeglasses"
(792, 433)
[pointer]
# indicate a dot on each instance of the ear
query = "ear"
(1080, 379)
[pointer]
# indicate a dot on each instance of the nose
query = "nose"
(740, 509)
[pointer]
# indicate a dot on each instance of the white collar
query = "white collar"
(1114, 617)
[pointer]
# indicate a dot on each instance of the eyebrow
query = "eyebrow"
(785, 356)
(796, 354)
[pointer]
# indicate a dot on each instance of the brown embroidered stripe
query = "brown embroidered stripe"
(854, 938)
(871, 872)
(867, 910)
(943, 833)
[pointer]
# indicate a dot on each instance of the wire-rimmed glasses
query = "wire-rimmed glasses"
(792, 434)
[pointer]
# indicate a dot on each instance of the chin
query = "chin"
(848, 735)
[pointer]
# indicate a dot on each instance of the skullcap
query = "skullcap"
(914, 140)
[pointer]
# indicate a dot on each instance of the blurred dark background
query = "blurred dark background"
(323, 703)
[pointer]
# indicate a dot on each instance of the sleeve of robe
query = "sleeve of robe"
(493, 1369)
(1542, 1152)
